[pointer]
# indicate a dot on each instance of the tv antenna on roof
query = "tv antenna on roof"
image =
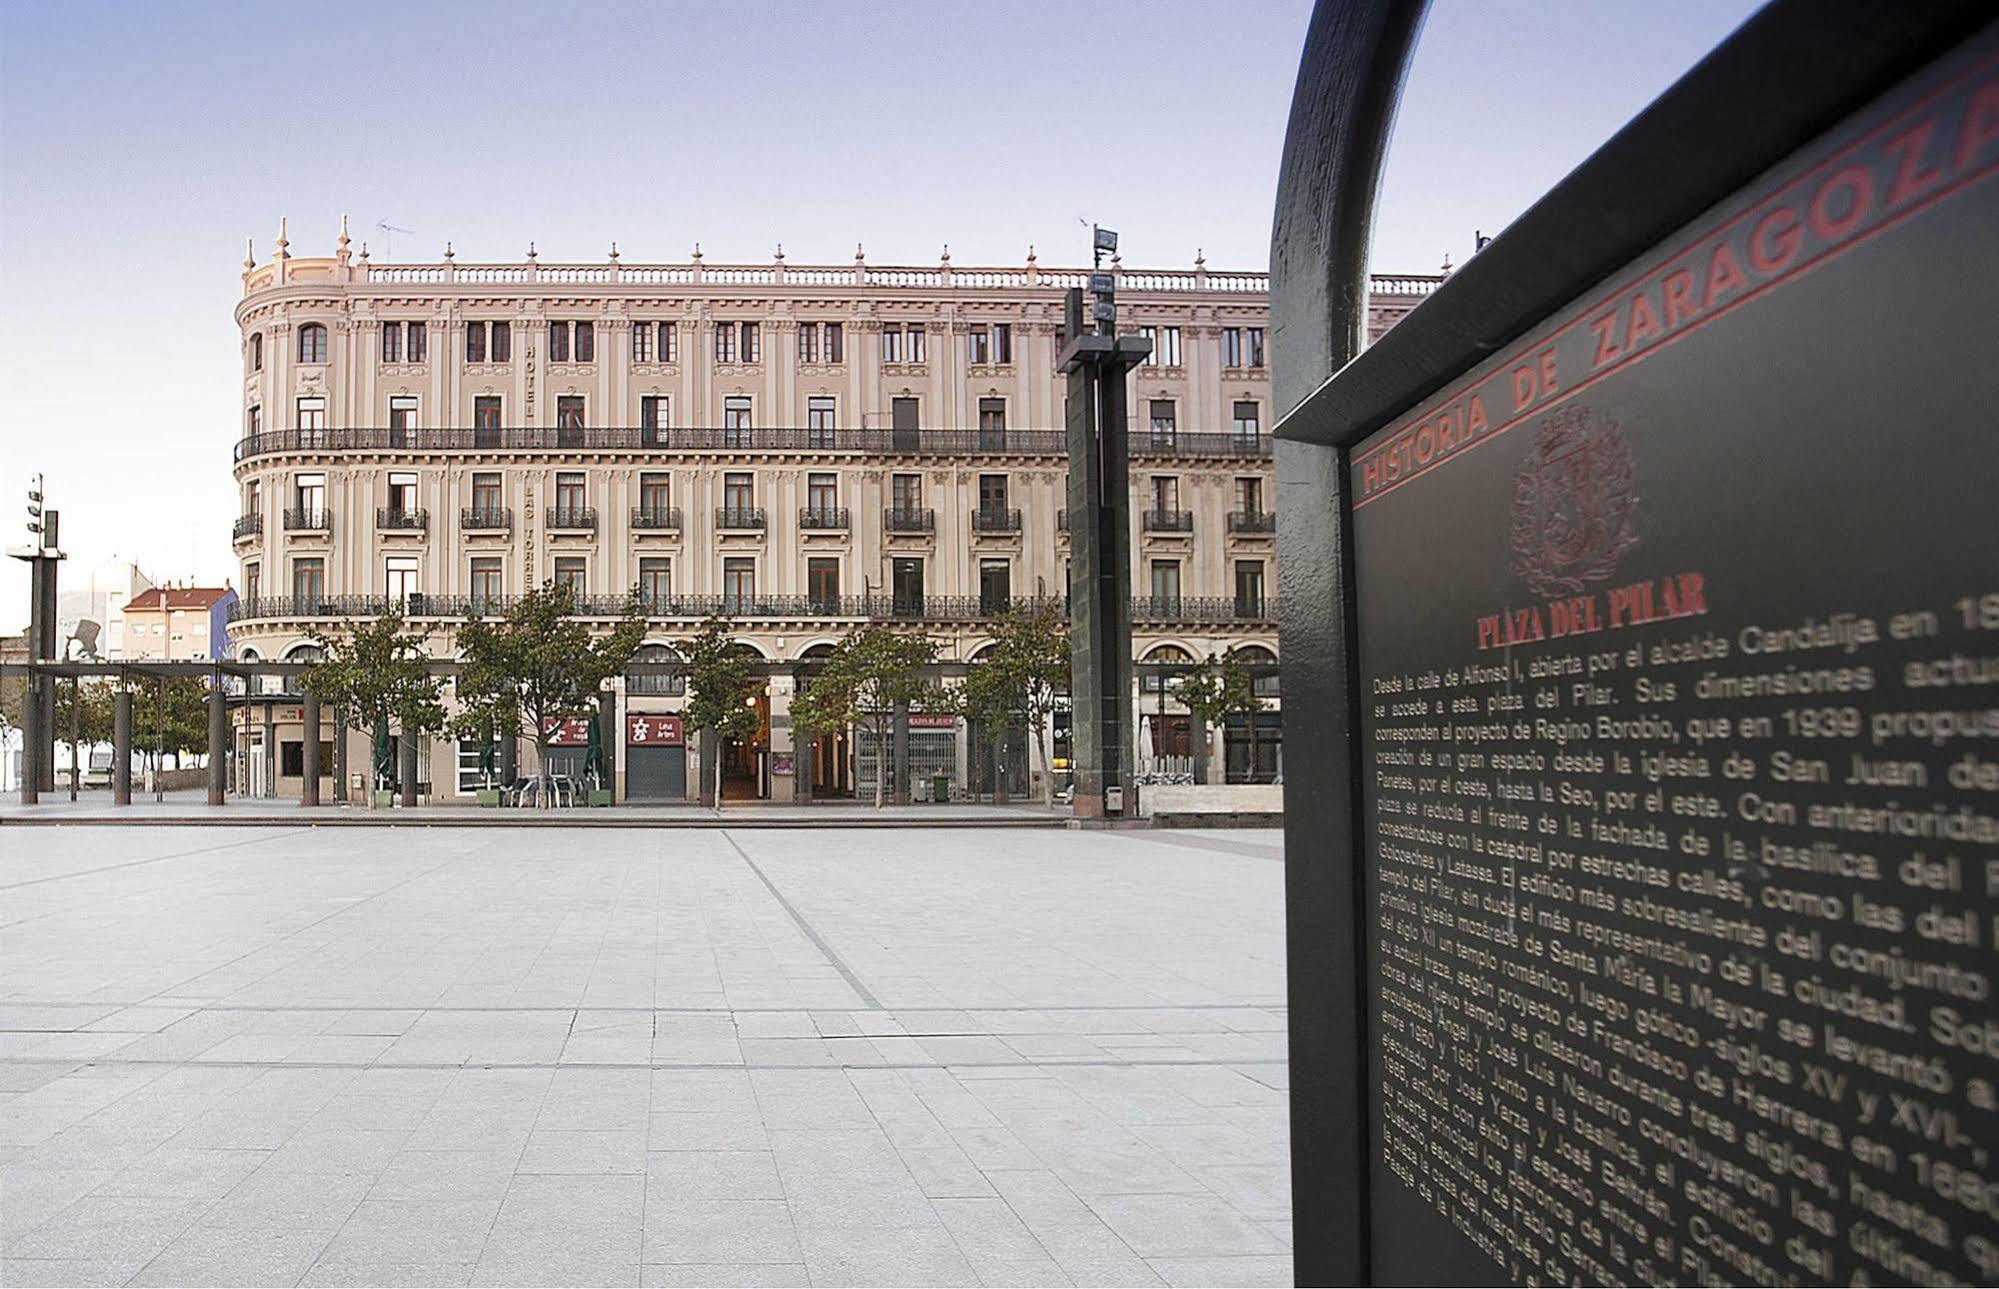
(389, 232)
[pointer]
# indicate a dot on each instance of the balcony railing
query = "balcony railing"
(388, 518)
(247, 526)
(486, 519)
(301, 519)
(1169, 521)
(933, 608)
(824, 518)
(918, 520)
(663, 442)
(995, 519)
(573, 518)
(1252, 521)
(656, 518)
(740, 517)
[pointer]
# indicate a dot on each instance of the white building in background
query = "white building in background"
(98, 595)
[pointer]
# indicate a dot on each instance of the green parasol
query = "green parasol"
(385, 754)
(593, 756)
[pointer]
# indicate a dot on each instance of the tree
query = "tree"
(373, 674)
(1023, 675)
(721, 690)
(1213, 692)
(540, 665)
(869, 674)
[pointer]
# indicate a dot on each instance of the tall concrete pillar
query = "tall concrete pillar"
(802, 749)
(406, 767)
(31, 742)
(710, 749)
(900, 783)
(340, 756)
(309, 753)
(121, 748)
(218, 741)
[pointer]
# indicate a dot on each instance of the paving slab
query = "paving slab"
(448, 1055)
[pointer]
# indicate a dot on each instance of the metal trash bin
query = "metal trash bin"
(940, 788)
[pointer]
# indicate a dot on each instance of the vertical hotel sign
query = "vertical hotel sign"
(1679, 665)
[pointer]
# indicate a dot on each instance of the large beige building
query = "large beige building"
(797, 447)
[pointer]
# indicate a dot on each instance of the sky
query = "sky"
(142, 143)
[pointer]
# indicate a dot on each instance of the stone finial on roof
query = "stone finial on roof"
(1030, 252)
(1200, 259)
(860, 256)
(531, 253)
(283, 242)
(780, 252)
(1447, 262)
(697, 252)
(364, 253)
(947, 253)
(449, 254)
(614, 252)
(249, 253)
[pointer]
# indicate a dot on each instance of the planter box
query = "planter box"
(600, 796)
(486, 796)
(385, 797)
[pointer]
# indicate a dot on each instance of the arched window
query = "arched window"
(256, 351)
(1265, 685)
(312, 343)
(1166, 653)
(657, 682)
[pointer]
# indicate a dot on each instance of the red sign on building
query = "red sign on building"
(574, 732)
(643, 730)
(928, 721)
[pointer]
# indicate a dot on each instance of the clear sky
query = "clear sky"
(141, 143)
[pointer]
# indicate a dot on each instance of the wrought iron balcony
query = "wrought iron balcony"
(1169, 521)
(659, 442)
(300, 519)
(1252, 521)
(824, 518)
(251, 525)
(573, 518)
(995, 519)
(656, 518)
(692, 608)
(918, 520)
(389, 518)
(740, 517)
(486, 519)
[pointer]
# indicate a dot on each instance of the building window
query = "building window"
(808, 342)
(1166, 493)
(471, 764)
(402, 419)
(1249, 496)
(309, 580)
(978, 345)
(253, 581)
(475, 342)
(642, 342)
(503, 342)
(392, 342)
(256, 351)
(822, 584)
(819, 422)
(487, 586)
(486, 493)
(558, 342)
(1165, 423)
(1246, 428)
(419, 350)
(486, 421)
(253, 421)
(569, 573)
(752, 342)
(569, 420)
(569, 492)
(1249, 588)
(738, 492)
(822, 493)
(402, 493)
(906, 585)
(905, 493)
(399, 578)
(989, 343)
(669, 342)
(992, 494)
(736, 423)
(1242, 347)
(1165, 346)
(992, 424)
(309, 494)
(312, 343)
(903, 343)
(725, 342)
(995, 585)
(655, 582)
(1166, 586)
(835, 338)
(739, 584)
(655, 493)
(586, 342)
(654, 418)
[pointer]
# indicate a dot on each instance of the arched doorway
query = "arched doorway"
(1165, 739)
(831, 755)
(746, 762)
(655, 736)
(991, 761)
(1253, 743)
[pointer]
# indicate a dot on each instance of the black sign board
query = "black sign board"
(1672, 670)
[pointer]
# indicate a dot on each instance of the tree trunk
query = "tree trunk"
(1047, 766)
(718, 770)
(1200, 741)
(883, 767)
(1001, 796)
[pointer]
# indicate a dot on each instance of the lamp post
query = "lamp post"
(38, 700)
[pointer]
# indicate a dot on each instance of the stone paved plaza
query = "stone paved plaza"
(663, 1057)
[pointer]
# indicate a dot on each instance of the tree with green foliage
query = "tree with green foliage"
(1022, 676)
(722, 691)
(374, 674)
(869, 674)
(538, 666)
(1212, 692)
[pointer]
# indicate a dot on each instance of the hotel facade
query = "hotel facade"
(798, 448)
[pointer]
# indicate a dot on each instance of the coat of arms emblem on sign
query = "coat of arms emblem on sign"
(1572, 503)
